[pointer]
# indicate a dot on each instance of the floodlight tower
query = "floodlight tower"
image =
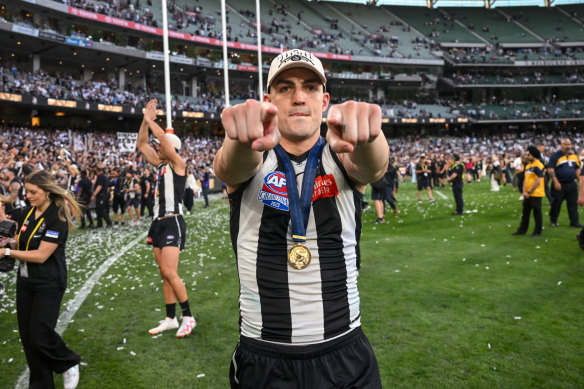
(225, 59)
(167, 94)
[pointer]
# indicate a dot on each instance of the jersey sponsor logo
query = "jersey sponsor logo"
(52, 234)
(274, 192)
(324, 187)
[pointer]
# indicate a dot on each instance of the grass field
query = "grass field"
(447, 301)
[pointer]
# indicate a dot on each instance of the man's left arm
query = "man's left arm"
(354, 133)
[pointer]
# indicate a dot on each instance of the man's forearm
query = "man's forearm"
(236, 162)
(370, 160)
(143, 133)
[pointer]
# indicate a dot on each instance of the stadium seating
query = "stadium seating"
(492, 25)
(547, 23)
(435, 24)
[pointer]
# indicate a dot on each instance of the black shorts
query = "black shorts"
(423, 183)
(170, 231)
(377, 194)
(118, 204)
(135, 203)
(345, 362)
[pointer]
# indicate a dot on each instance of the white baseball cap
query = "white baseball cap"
(295, 58)
(174, 140)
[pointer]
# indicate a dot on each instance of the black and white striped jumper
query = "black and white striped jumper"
(277, 302)
(169, 192)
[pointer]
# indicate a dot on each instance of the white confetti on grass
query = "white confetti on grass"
(200, 375)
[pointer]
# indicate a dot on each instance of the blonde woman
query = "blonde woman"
(39, 245)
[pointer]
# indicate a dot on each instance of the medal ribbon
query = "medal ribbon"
(300, 205)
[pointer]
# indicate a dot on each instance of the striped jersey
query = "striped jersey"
(277, 302)
(169, 191)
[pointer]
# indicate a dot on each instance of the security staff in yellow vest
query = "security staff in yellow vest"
(564, 170)
(533, 192)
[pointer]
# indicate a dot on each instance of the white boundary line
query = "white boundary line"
(440, 194)
(74, 305)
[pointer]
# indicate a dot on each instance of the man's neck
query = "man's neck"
(299, 147)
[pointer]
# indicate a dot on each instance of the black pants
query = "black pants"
(102, 210)
(188, 199)
(346, 362)
(532, 203)
(146, 202)
(569, 192)
(206, 195)
(388, 196)
(86, 212)
(37, 311)
(457, 192)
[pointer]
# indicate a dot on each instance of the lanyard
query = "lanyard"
(32, 233)
(300, 204)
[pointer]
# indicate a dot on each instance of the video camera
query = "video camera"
(7, 230)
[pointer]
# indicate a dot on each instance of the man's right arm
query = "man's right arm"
(250, 128)
(142, 143)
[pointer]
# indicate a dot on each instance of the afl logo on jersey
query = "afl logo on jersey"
(274, 192)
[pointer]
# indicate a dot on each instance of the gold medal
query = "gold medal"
(299, 256)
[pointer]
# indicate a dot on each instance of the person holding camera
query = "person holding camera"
(39, 246)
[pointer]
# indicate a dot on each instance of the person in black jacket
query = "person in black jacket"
(39, 245)
(101, 197)
(455, 176)
(84, 197)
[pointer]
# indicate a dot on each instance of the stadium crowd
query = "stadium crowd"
(71, 155)
(65, 86)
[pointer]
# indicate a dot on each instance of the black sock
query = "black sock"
(186, 310)
(171, 310)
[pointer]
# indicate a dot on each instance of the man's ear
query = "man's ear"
(267, 98)
(326, 98)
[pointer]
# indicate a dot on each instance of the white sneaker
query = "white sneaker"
(71, 377)
(166, 324)
(187, 325)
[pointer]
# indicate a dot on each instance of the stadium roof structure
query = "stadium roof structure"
(463, 3)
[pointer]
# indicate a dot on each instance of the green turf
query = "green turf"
(447, 301)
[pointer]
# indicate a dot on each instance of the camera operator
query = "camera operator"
(42, 278)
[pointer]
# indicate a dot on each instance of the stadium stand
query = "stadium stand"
(424, 66)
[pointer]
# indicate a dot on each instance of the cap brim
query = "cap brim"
(293, 65)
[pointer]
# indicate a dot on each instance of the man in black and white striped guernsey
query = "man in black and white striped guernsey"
(168, 230)
(295, 228)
